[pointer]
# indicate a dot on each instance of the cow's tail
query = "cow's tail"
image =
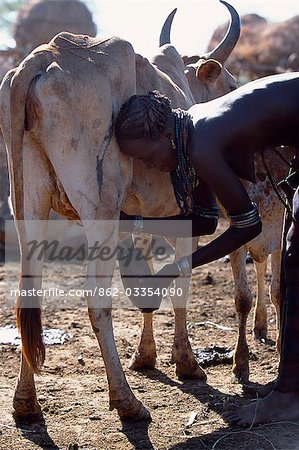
(28, 309)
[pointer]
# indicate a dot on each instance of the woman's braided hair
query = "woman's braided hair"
(143, 116)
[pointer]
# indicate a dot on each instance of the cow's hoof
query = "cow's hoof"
(191, 371)
(27, 419)
(26, 411)
(138, 413)
(260, 334)
(240, 375)
(140, 362)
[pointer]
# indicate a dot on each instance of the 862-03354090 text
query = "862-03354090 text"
(99, 291)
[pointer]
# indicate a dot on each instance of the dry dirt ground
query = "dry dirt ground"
(73, 387)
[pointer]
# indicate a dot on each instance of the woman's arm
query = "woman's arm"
(160, 226)
(234, 198)
(204, 219)
(226, 243)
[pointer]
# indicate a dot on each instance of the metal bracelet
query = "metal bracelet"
(247, 219)
(206, 213)
(184, 266)
(137, 225)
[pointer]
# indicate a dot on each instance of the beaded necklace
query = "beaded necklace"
(184, 179)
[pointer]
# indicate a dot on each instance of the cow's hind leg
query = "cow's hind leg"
(100, 221)
(98, 282)
(37, 204)
(36, 211)
(243, 302)
(99, 215)
(25, 404)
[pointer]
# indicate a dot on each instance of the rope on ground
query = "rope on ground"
(240, 432)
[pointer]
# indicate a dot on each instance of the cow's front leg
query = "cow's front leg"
(98, 282)
(144, 356)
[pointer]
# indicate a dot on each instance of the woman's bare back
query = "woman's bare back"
(232, 128)
(261, 113)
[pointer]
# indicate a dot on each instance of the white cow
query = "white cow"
(56, 114)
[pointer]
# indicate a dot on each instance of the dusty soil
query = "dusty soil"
(73, 387)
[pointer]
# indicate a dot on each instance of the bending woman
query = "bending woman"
(219, 139)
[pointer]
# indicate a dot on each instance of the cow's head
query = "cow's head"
(206, 74)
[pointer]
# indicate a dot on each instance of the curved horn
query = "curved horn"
(228, 43)
(165, 32)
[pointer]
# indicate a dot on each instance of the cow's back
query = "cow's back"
(73, 88)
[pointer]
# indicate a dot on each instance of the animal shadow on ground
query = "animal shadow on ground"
(137, 434)
(37, 433)
(270, 436)
(202, 391)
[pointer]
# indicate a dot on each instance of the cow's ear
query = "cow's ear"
(208, 71)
